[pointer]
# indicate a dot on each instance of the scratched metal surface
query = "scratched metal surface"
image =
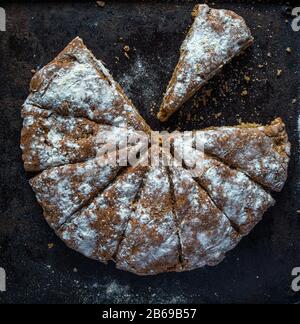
(259, 269)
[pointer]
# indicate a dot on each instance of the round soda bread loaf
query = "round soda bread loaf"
(148, 218)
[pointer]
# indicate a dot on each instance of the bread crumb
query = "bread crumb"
(226, 87)
(269, 54)
(126, 51)
(244, 93)
(289, 50)
(208, 92)
(100, 4)
(279, 72)
(50, 246)
(247, 78)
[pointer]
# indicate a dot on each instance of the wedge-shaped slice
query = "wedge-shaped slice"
(205, 232)
(76, 84)
(151, 243)
(62, 191)
(261, 151)
(54, 140)
(242, 200)
(215, 37)
(96, 230)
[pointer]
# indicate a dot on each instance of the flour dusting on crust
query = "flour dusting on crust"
(205, 232)
(242, 200)
(77, 84)
(96, 230)
(151, 242)
(263, 152)
(61, 191)
(50, 140)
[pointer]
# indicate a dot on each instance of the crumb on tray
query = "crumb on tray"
(100, 4)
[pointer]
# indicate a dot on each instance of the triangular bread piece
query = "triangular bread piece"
(96, 230)
(243, 201)
(205, 232)
(76, 84)
(215, 37)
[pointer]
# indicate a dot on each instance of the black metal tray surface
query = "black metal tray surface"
(259, 270)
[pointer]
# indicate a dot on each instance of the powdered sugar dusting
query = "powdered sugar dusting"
(54, 140)
(242, 200)
(148, 219)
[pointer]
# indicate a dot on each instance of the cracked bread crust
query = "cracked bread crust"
(56, 140)
(215, 38)
(261, 152)
(242, 200)
(63, 190)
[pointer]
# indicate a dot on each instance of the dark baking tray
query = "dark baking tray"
(259, 269)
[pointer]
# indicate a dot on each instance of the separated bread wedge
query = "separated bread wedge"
(215, 37)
